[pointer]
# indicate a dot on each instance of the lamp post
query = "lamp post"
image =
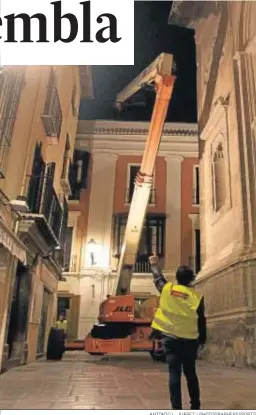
(92, 246)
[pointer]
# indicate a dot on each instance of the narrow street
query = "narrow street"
(131, 381)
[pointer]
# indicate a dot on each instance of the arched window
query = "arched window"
(219, 186)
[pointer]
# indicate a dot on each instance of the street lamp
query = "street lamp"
(92, 247)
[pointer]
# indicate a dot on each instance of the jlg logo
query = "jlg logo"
(126, 309)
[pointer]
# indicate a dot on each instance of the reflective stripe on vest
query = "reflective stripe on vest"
(177, 312)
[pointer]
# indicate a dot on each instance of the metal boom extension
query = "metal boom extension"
(159, 73)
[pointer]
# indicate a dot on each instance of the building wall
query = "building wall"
(113, 146)
(40, 271)
(226, 56)
(29, 128)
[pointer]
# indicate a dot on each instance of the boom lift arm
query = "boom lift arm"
(159, 73)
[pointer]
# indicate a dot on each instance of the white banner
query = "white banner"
(64, 32)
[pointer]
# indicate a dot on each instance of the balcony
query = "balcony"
(52, 116)
(142, 265)
(43, 201)
(129, 194)
(65, 176)
(46, 219)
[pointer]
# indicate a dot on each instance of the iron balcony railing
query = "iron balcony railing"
(142, 265)
(129, 194)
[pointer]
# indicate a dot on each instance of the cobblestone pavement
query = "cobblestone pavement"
(130, 381)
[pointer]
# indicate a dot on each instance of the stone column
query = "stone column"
(173, 212)
(99, 228)
(101, 207)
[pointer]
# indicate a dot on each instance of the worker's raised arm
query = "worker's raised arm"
(159, 279)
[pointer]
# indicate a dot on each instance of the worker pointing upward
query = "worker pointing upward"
(181, 321)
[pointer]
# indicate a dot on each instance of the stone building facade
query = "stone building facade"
(38, 119)
(114, 152)
(225, 36)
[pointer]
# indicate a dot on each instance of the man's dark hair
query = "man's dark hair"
(184, 275)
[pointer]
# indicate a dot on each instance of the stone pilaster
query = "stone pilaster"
(101, 207)
(245, 101)
(93, 278)
(173, 212)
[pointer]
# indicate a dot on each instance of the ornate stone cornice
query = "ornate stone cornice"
(138, 131)
(128, 138)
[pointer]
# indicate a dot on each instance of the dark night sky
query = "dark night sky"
(153, 35)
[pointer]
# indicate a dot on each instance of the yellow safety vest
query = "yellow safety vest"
(62, 325)
(177, 312)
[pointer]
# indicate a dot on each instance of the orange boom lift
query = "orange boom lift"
(124, 325)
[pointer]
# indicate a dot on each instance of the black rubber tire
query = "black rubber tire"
(157, 356)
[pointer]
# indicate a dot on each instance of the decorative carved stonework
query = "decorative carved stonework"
(128, 137)
(137, 131)
(216, 117)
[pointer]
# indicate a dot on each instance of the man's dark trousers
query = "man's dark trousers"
(182, 354)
